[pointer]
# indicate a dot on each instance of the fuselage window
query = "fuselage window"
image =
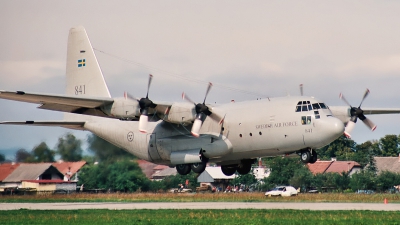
(304, 108)
(306, 120)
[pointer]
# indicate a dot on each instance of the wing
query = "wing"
(61, 103)
(77, 125)
(374, 111)
(102, 106)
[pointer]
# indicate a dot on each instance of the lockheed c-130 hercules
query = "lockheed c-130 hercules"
(188, 135)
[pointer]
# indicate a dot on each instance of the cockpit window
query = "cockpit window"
(316, 106)
(323, 106)
(304, 106)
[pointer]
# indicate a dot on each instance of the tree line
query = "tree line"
(117, 170)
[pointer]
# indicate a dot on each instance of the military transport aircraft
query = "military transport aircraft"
(187, 135)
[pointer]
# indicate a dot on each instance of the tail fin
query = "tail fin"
(84, 76)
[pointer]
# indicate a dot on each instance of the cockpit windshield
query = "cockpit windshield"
(303, 106)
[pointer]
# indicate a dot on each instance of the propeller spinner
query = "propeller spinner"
(202, 111)
(357, 112)
(145, 104)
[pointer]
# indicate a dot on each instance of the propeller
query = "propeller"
(145, 104)
(357, 113)
(202, 111)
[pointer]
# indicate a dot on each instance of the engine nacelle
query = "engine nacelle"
(180, 113)
(123, 108)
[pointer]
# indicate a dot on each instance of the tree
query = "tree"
(105, 151)
(386, 180)
(23, 156)
(282, 170)
(364, 180)
(389, 145)
(365, 153)
(247, 179)
(2, 158)
(342, 148)
(122, 175)
(42, 153)
(302, 178)
(69, 148)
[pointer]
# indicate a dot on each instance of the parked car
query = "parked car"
(281, 191)
(176, 190)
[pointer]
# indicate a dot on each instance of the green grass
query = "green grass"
(201, 197)
(237, 216)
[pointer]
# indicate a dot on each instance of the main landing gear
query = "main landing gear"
(184, 169)
(308, 156)
(243, 168)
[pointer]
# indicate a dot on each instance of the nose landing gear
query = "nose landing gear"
(308, 156)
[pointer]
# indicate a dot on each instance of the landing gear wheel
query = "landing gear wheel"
(244, 169)
(305, 156)
(228, 170)
(314, 157)
(198, 167)
(183, 169)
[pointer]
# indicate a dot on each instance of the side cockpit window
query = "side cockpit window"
(305, 120)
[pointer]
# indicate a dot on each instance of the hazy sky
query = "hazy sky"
(264, 47)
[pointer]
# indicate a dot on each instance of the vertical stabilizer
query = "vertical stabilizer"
(84, 76)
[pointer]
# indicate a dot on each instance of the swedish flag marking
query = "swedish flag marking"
(81, 62)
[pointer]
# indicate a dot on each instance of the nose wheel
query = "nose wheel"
(308, 156)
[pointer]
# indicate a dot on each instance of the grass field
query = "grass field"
(202, 197)
(240, 216)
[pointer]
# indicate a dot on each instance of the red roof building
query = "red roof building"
(349, 167)
(6, 169)
(69, 169)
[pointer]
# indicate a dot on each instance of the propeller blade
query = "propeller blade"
(216, 117)
(129, 96)
(185, 97)
(208, 90)
(143, 120)
(365, 95)
(148, 86)
(196, 127)
(349, 127)
(301, 89)
(369, 124)
(341, 96)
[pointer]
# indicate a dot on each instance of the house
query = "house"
(214, 176)
(154, 171)
(147, 167)
(69, 169)
(39, 177)
(162, 173)
(5, 170)
(391, 164)
(333, 166)
(28, 171)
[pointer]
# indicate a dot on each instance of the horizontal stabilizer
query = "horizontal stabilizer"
(77, 125)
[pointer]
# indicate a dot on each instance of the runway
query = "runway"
(203, 205)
